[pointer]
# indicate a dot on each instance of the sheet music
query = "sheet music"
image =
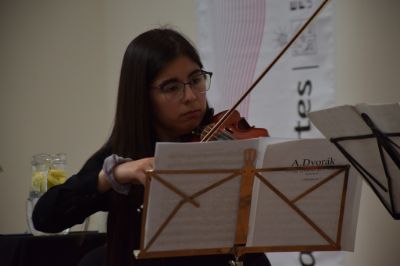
(346, 121)
(196, 155)
(275, 223)
(195, 228)
(213, 224)
(339, 121)
(385, 116)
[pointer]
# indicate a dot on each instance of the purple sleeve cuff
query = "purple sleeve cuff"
(109, 165)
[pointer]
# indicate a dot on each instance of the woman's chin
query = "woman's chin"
(188, 128)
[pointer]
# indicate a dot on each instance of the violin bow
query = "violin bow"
(212, 131)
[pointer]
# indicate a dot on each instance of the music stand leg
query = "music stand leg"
(236, 262)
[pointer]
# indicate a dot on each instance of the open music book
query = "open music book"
(369, 136)
(258, 195)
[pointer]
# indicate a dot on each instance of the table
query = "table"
(60, 250)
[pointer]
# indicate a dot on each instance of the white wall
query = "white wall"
(368, 56)
(59, 68)
(52, 91)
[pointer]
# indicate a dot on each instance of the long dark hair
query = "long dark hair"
(133, 135)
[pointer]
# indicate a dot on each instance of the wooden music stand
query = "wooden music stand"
(243, 180)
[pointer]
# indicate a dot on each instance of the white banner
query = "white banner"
(238, 39)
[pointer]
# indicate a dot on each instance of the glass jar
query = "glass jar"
(47, 171)
(56, 173)
(40, 166)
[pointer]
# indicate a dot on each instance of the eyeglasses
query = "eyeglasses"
(175, 90)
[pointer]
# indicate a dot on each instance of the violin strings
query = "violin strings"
(222, 134)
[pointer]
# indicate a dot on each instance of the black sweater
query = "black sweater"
(71, 203)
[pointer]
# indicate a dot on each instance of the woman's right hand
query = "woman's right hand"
(132, 172)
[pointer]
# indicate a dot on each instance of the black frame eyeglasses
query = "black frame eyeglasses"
(175, 90)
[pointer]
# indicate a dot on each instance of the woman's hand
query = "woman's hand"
(129, 172)
(133, 171)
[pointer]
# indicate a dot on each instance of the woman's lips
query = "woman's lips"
(192, 114)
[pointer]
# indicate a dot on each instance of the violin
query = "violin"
(234, 127)
(229, 123)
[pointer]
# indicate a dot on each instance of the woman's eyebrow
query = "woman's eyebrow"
(196, 71)
(168, 81)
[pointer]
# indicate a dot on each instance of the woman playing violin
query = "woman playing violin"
(161, 97)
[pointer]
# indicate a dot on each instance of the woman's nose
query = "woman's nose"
(188, 93)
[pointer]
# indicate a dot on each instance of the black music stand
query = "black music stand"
(389, 154)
